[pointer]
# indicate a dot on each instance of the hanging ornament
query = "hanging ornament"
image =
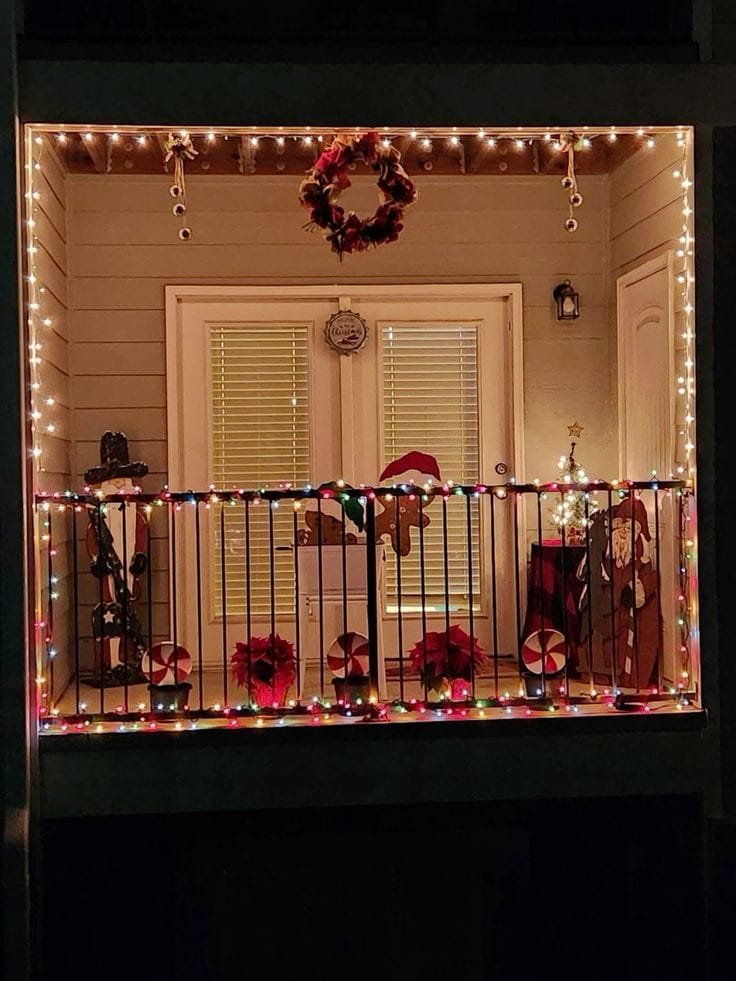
(571, 142)
(179, 147)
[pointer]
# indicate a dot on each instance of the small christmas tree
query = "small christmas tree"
(569, 512)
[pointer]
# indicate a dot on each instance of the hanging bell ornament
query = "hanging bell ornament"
(175, 190)
(567, 182)
(186, 233)
(576, 199)
(179, 209)
(571, 225)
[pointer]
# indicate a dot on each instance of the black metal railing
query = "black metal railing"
(205, 605)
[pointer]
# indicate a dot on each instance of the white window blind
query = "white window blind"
(430, 403)
(259, 438)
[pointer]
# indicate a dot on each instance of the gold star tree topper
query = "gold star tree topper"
(576, 430)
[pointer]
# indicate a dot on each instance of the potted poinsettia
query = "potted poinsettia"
(266, 666)
(445, 660)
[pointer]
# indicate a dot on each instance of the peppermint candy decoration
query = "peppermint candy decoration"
(167, 664)
(544, 645)
(350, 647)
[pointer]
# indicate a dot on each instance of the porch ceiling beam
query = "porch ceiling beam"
(97, 150)
(161, 140)
(475, 155)
(246, 156)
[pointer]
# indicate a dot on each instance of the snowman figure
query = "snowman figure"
(116, 543)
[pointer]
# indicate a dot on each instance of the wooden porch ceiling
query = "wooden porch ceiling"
(228, 154)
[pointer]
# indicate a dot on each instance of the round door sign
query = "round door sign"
(346, 331)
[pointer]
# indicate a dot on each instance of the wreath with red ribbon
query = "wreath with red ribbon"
(328, 178)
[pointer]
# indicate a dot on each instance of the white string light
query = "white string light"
(685, 280)
(37, 316)
(44, 421)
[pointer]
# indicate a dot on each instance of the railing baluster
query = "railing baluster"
(423, 594)
(445, 565)
(371, 574)
(174, 570)
(124, 598)
(588, 593)
(632, 560)
(272, 598)
(248, 604)
(543, 631)
(175, 653)
(344, 558)
(149, 605)
(614, 644)
(399, 601)
(50, 650)
(198, 576)
(565, 631)
(683, 565)
(223, 577)
(320, 601)
(297, 607)
(494, 594)
(658, 569)
(518, 502)
(471, 594)
(99, 628)
(75, 605)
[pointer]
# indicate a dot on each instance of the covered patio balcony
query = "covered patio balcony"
(431, 467)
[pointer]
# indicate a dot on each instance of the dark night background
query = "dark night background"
(605, 887)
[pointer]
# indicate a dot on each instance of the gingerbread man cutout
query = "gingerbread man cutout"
(323, 529)
(409, 517)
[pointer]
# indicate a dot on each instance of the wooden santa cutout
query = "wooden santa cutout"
(620, 597)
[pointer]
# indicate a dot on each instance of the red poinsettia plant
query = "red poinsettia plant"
(267, 666)
(445, 659)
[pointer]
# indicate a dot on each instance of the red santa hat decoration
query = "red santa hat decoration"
(423, 464)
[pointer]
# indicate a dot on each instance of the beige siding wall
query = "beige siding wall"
(51, 270)
(645, 205)
(123, 250)
(645, 216)
(50, 230)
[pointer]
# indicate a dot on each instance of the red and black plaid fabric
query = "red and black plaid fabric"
(554, 593)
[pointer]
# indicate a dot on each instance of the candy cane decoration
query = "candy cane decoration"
(353, 648)
(167, 664)
(554, 652)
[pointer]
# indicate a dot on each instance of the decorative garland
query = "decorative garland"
(326, 181)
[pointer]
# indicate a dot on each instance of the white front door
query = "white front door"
(257, 397)
(646, 353)
(646, 412)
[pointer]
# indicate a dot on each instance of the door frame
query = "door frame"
(665, 261)
(178, 296)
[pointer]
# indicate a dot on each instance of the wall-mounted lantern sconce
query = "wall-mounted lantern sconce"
(567, 300)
